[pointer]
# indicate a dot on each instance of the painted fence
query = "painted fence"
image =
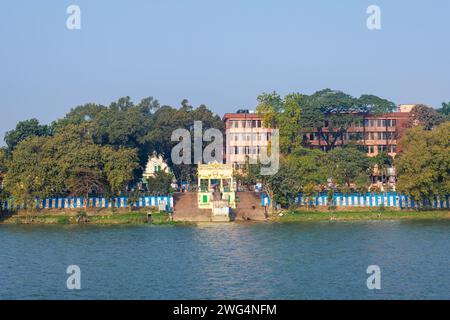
(80, 203)
(389, 199)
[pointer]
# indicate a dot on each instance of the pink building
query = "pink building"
(245, 136)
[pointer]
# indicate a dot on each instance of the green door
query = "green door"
(205, 199)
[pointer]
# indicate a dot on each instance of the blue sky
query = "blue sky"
(220, 53)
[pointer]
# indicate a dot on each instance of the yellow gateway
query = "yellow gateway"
(217, 189)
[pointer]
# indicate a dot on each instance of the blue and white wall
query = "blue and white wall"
(79, 203)
(389, 199)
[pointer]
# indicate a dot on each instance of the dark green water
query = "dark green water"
(228, 261)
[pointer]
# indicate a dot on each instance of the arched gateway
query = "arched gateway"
(216, 190)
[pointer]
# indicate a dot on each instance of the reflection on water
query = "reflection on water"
(321, 260)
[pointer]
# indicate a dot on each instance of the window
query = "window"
(253, 123)
(259, 123)
(387, 135)
(371, 149)
(382, 148)
(311, 136)
(244, 123)
(236, 124)
(379, 135)
(230, 123)
(366, 122)
(372, 136)
(372, 123)
(394, 148)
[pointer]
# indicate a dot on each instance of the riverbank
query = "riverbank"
(125, 217)
(99, 217)
(358, 214)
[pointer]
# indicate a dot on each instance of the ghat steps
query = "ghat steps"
(248, 208)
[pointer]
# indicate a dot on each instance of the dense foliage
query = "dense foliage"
(96, 149)
(424, 165)
(102, 150)
(327, 109)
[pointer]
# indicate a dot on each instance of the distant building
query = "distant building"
(155, 164)
(377, 133)
(245, 136)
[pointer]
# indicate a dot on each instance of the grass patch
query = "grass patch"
(99, 218)
(350, 215)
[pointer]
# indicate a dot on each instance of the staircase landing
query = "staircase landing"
(185, 208)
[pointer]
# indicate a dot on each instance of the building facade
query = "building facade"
(246, 137)
(377, 133)
(155, 164)
(246, 134)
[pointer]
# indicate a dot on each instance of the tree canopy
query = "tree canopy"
(423, 167)
(425, 116)
(68, 163)
(98, 149)
(328, 112)
(23, 130)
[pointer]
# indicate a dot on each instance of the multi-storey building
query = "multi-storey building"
(377, 133)
(246, 136)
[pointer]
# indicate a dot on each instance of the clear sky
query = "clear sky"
(222, 53)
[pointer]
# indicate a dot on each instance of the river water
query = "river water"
(324, 260)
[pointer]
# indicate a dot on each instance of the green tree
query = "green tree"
(30, 173)
(23, 130)
(120, 165)
(423, 167)
(270, 106)
(331, 113)
(445, 110)
(382, 161)
(68, 163)
(348, 166)
(302, 171)
(3, 169)
(160, 184)
(3, 159)
(328, 112)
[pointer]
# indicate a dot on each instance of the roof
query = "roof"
(240, 116)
